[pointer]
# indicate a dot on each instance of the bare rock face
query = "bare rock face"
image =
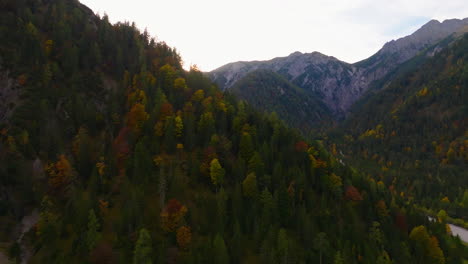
(339, 84)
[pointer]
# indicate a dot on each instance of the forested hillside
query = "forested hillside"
(413, 134)
(270, 92)
(131, 159)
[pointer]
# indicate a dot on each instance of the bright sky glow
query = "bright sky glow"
(211, 33)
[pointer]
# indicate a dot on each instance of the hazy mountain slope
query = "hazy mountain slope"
(269, 91)
(315, 73)
(418, 124)
(337, 83)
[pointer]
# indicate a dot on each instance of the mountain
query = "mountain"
(413, 132)
(267, 90)
(315, 73)
(112, 153)
(338, 84)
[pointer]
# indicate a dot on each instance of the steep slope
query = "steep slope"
(271, 92)
(317, 74)
(416, 130)
(130, 159)
(337, 83)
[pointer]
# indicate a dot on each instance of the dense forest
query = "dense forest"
(131, 159)
(413, 134)
(271, 92)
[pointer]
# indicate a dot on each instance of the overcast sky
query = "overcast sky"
(211, 33)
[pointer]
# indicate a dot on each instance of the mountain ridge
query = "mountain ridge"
(340, 84)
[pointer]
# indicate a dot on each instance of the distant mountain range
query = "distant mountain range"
(337, 84)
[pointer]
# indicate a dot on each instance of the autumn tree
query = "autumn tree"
(173, 215)
(137, 117)
(60, 174)
(353, 194)
(184, 237)
(442, 216)
(427, 246)
(166, 111)
(168, 74)
(381, 208)
(102, 254)
(179, 126)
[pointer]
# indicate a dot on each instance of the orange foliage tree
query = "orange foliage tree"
(60, 173)
(353, 194)
(136, 117)
(184, 237)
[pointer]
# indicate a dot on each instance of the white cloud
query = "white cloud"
(211, 33)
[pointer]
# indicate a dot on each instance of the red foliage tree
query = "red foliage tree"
(102, 254)
(301, 146)
(353, 194)
(172, 215)
(400, 222)
(166, 111)
(121, 147)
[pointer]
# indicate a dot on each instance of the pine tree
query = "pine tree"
(246, 146)
(143, 248)
(220, 254)
(338, 258)
(321, 244)
(92, 235)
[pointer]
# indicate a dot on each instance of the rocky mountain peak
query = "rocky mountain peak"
(339, 84)
(428, 34)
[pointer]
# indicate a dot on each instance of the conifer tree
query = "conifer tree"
(143, 248)
(220, 254)
(92, 235)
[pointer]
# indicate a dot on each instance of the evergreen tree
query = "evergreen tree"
(220, 254)
(143, 248)
(246, 146)
(92, 235)
(338, 258)
(321, 244)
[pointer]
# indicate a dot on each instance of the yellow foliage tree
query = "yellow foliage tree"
(179, 126)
